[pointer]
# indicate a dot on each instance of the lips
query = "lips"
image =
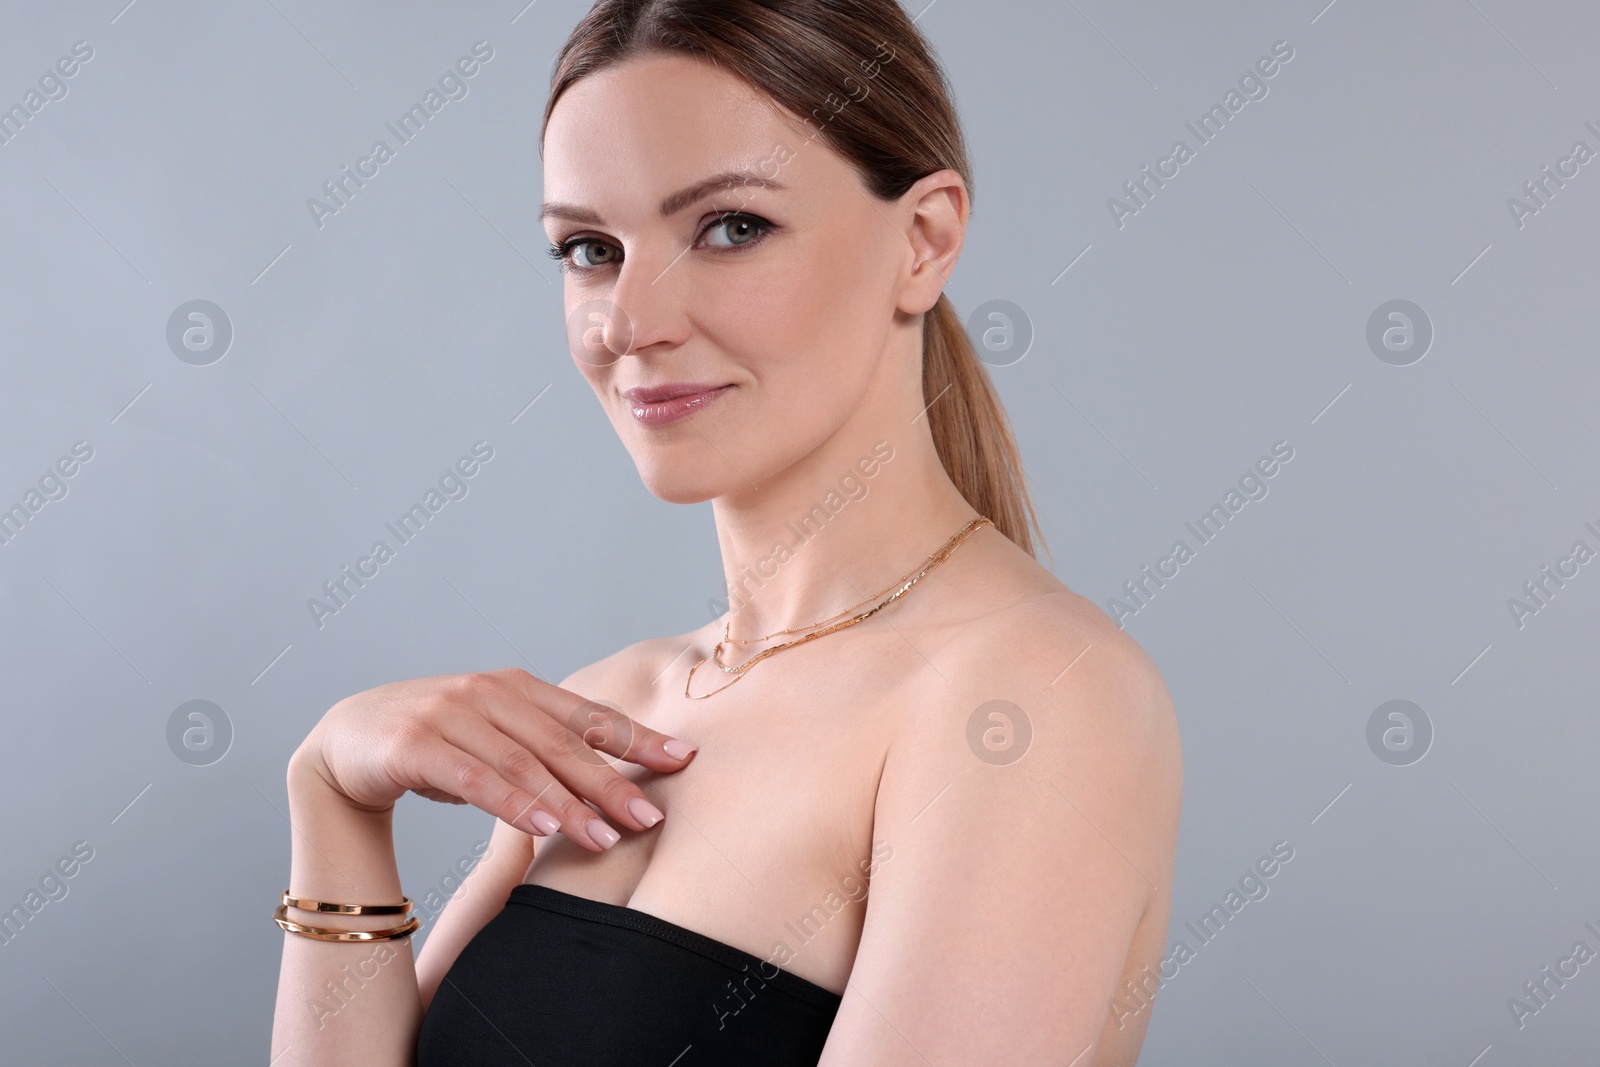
(658, 405)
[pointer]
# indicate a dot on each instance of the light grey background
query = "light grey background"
(1228, 314)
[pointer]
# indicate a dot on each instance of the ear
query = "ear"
(936, 209)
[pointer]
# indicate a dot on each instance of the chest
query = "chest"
(767, 842)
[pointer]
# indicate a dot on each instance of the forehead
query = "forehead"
(631, 134)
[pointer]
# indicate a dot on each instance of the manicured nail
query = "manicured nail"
(546, 822)
(678, 749)
(645, 811)
(601, 834)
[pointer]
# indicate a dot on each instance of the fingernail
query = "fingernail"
(645, 811)
(544, 821)
(678, 749)
(601, 834)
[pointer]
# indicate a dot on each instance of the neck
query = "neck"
(859, 513)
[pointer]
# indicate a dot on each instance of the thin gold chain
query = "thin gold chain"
(905, 585)
(727, 623)
(905, 582)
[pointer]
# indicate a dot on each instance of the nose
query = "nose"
(648, 302)
(599, 332)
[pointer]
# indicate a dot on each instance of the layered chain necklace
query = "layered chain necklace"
(904, 585)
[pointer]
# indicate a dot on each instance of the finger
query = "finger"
(447, 771)
(604, 727)
(565, 753)
(549, 803)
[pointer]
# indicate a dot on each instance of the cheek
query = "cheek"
(852, 289)
(815, 320)
(600, 380)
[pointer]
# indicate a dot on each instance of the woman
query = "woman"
(757, 204)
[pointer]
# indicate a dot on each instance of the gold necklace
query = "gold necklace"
(727, 640)
(905, 585)
(905, 582)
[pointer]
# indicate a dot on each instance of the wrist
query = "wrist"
(340, 851)
(313, 787)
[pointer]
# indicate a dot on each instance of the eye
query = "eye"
(566, 253)
(740, 230)
(744, 226)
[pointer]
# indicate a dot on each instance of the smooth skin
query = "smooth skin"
(1009, 901)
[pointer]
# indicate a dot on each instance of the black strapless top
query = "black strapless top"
(561, 981)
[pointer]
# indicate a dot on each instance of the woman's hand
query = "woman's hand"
(520, 748)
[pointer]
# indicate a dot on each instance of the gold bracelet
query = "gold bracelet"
(347, 909)
(318, 933)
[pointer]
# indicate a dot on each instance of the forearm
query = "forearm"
(343, 1003)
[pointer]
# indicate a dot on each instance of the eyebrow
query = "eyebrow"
(728, 179)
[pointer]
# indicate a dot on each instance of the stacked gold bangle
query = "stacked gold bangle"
(322, 907)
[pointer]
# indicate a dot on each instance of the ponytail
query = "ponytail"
(970, 429)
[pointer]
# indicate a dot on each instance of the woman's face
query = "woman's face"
(773, 303)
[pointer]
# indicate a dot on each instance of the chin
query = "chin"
(684, 476)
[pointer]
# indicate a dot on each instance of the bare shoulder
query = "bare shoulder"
(1028, 805)
(1059, 646)
(1006, 626)
(1051, 680)
(628, 667)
